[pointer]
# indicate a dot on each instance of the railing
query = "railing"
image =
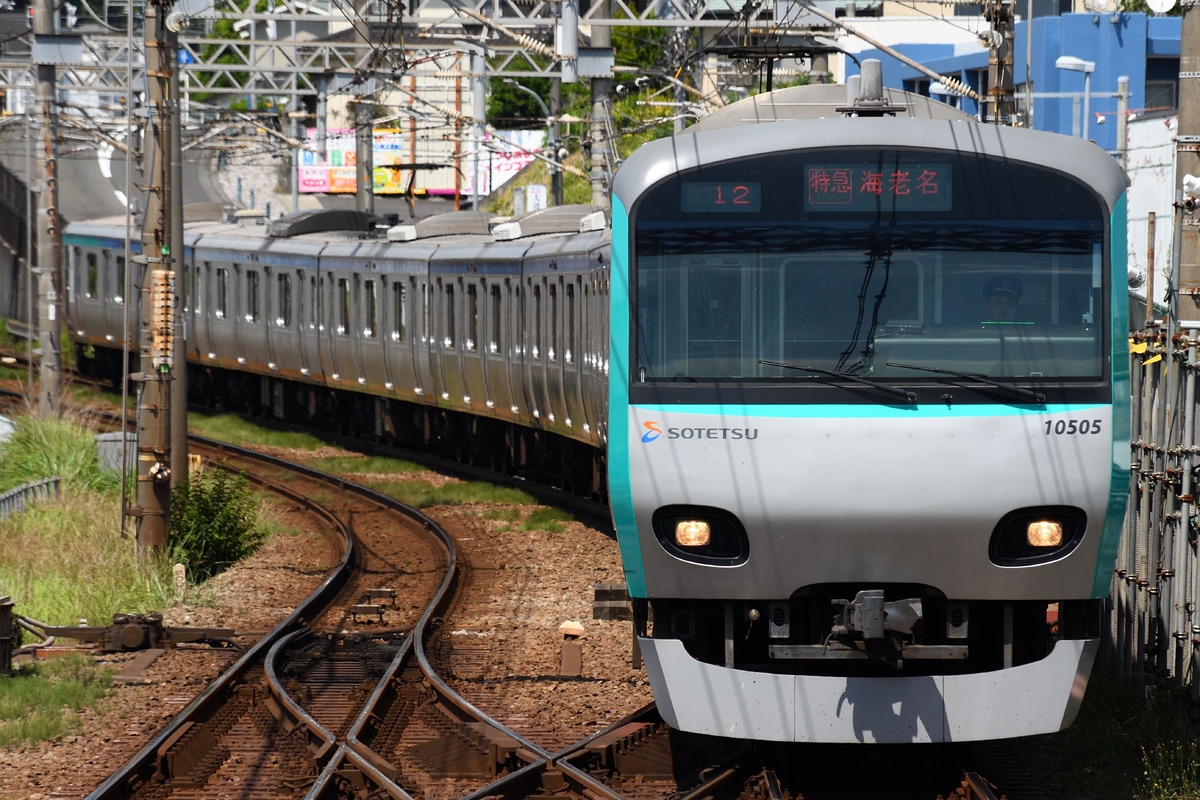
(16, 500)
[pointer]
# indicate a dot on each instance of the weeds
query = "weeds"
(41, 701)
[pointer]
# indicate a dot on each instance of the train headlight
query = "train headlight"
(702, 534)
(1044, 533)
(1036, 535)
(692, 533)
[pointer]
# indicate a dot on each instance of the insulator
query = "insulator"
(957, 86)
(534, 45)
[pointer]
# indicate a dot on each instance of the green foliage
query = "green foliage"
(65, 561)
(41, 701)
(236, 430)
(45, 447)
(544, 518)
(214, 523)
(373, 465)
(423, 495)
(1131, 740)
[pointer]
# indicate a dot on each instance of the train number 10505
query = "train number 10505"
(1070, 427)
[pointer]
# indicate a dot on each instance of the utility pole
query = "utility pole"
(49, 230)
(1187, 162)
(160, 252)
(179, 382)
(601, 88)
(364, 150)
(1001, 105)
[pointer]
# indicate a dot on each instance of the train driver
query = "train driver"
(1001, 295)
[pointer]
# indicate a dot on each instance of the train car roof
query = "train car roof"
(817, 101)
(657, 160)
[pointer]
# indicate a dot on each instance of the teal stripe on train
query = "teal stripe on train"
(620, 492)
(1118, 493)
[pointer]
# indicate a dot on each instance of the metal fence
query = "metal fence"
(17, 500)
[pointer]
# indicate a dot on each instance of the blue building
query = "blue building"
(1111, 45)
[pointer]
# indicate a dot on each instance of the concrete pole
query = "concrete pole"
(556, 173)
(49, 233)
(179, 375)
(1187, 160)
(601, 89)
(364, 147)
(158, 258)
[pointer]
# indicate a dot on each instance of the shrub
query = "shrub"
(214, 523)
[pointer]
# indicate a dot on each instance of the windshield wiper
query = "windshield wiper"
(1038, 397)
(905, 393)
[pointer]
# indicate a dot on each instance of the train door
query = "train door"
(371, 365)
(474, 364)
(595, 308)
(308, 302)
(448, 342)
(281, 335)
(497, 346)
(222, 339)
(114, 290)
(572, 372)
(424, 352)
(87, 306)
(342, 364)
(251, 332)
(398, 334)
(202, 309)
(535, 352)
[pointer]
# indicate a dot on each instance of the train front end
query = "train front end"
(868, 443)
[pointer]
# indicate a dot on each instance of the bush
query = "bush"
(214, 523)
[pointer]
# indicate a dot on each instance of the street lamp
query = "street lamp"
(1075, 64)
(551, 143)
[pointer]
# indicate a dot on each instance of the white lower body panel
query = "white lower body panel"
(1042, 697)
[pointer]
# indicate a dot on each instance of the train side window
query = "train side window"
(370, 310)
(552, 346)
(495, 319)
(92, 278)
(472, 316)
(343, 306)
(568, 353)
(314, 304)
(284, 320)
(119, 294)
(106, 275)
(253, 297)
(518, 306)
(221, 308)
(427, 335)
(448, 331)
(399, 315)
(537, 321)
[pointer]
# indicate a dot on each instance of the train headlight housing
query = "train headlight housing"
(1037, 535)
(702, 534)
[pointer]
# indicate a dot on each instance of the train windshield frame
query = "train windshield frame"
(812, 268)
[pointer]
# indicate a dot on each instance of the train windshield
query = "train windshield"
(1000, 274)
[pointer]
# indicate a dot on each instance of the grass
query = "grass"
(235, 430)
(424, 495)
(1129, 741)
(42, 701)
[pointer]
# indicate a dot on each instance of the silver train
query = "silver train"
(488, 344)
(854, 388)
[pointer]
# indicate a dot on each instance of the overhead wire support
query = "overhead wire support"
(953, 84)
